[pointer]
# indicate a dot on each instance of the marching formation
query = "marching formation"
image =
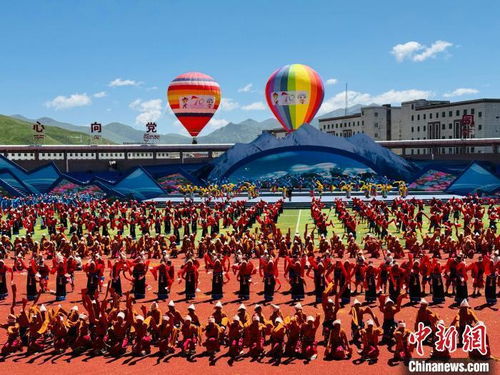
(410, 251)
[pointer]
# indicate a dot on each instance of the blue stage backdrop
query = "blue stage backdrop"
(309, 149)
(304, 163)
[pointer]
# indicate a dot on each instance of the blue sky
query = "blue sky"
(104, 60)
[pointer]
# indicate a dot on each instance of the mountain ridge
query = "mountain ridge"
(242, 132)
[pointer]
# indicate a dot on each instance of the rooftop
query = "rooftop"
(354, 115)
(423, 104)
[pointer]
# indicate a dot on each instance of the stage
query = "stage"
(303, 199)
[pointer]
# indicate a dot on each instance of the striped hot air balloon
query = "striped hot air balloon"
(194, 97)
(294, 93)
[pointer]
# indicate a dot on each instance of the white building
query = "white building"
(425, 119)
(382, 123)
(422, 119)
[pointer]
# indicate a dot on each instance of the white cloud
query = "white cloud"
(246, 88)
(388, 97)
(227, 104)
(406, 50)
(418, 52)
(100, 94)
(331, 81)
(123, 82)
(217, 123)
(256, 106)
(65, 102)
(150, 110)
(152, 88)
(460, 92)
(436, 47)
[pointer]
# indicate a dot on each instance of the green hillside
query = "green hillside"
(17, 132)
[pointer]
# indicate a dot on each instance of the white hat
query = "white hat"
(236, 318)
(337, 322)
(82, 316)
(423, 301)
(440, 322)
(171, 303)
(219, 305)
(298, 306)
(388, 300)
(356, 302)
(242, 307)
(330, 300)
(191, 307)
(310, 318)
(402, 324)
(370, 322)
(256, 318)
(278, 320)
(188, 318)
(139, 317)
(276, 307)
(43, 308)
(464, 303)
(121, 314)
(257, 306)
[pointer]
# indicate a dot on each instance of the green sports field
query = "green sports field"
(295, 219)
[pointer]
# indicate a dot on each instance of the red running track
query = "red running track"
(48, 363)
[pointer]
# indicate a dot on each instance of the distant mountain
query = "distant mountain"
(243, 132)
(51, 122)
(122, 133)
(173, 138)
(116, 132)
(17, 131)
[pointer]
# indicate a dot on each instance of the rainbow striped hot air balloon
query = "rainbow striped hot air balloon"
(194, 97)
(294, 93)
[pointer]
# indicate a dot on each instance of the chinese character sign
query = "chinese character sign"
(150, 136)
(447, 338)
(419, 336)
(467, 125)
(95, 127)
(95, 132)
(38, 132)
(151, 127)
(475, 338)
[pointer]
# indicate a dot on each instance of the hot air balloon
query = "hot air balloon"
(294, 93)
(194, 97)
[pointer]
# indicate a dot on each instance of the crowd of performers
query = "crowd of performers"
(371, 186)
(387, 266)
